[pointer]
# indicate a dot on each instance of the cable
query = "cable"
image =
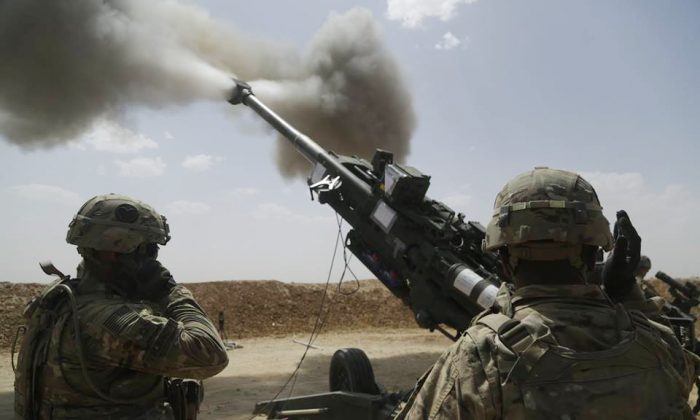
(318, 324)
(347, 268)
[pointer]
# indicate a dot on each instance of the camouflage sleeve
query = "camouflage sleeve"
(182, 343)
(635, 300)
(456, 387)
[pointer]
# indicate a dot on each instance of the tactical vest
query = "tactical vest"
(541, 380)
(49, 385)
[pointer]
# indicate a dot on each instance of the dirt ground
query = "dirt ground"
(258, 370)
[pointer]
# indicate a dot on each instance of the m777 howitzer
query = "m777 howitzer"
(678, 313)
(685, 296)
(425, 253)
(682, 320)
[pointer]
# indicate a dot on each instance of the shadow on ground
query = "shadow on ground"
(235, 397)
(7, 404)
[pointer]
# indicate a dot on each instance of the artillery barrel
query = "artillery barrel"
(673, 283)
(308, 148)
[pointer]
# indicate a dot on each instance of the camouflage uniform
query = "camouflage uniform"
(642, 269)
(561, 351)
(470, 380)
(128, 347)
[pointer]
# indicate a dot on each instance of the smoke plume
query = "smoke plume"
(65, 65)
(349, 94)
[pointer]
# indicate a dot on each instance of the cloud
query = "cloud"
(111, 137)
(200, 163)
(141, 167)
(181, 207)
(47, 193)
(665, 217)
(448, 42)
(274, 211)
(168, 135)
(411, 13)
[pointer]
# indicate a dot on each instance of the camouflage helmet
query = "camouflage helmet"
(117, 223)
(644, 264)
(547, 214)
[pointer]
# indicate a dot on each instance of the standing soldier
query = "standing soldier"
(106, 344)
(559, 347)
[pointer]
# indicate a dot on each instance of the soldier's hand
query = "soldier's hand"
(619, 268)
(154, 281)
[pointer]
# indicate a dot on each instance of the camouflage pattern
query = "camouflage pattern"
(117, 223)
(549, 205)
(643, 267)
(588, 360)
(640, 273)
(129, 347)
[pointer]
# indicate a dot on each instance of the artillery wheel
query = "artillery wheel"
(351, 371)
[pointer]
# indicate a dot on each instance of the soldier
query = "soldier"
(642, 268)
(105, 344)
(640, 273)
(557, 346)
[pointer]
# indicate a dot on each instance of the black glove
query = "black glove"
(141, 276)
(619, 268)
(154, 281)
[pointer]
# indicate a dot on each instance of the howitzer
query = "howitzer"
(425, 253)
(682, 320)
(686, 296)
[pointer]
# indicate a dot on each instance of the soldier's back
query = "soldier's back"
(559, 352)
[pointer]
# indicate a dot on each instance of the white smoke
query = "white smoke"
(68, 64)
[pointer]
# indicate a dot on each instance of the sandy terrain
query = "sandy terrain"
(257, 371)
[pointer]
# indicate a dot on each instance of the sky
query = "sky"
(608, 89)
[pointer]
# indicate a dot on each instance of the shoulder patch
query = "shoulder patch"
(126, 323)
(120, 319)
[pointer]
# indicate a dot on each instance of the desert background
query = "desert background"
(271, 321)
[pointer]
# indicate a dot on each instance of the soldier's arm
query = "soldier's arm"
(635, 300)
(182, 343)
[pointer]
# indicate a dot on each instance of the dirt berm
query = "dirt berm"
(268, 308)
(259, 308)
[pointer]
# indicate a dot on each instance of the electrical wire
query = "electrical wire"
(319, 322)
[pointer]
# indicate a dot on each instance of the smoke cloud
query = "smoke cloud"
(349, 95)
(66, 65)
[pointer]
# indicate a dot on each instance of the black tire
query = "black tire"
(351, 371)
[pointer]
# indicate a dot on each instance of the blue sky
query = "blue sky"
(606, 88)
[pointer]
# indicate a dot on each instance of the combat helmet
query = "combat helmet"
(117, 223)
(643, 266)
(545, 215)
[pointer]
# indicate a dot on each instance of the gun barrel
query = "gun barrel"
(673, 283)
(308, 148)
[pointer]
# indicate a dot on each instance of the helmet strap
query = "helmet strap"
(553, 251)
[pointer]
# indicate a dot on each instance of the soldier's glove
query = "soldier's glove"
(142, 276)
(619, 268)
(154, 281)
